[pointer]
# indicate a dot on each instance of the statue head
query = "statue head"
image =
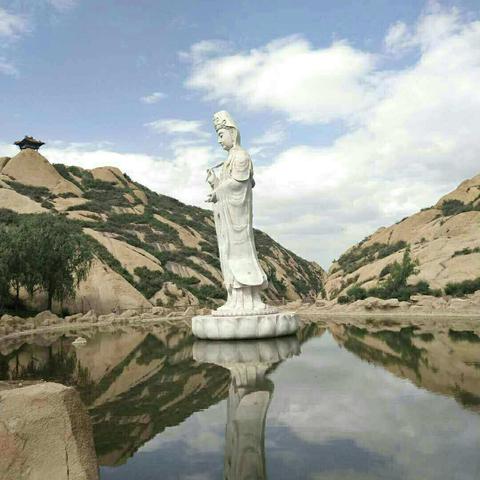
(227, 130)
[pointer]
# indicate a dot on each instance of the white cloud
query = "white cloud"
(6, 68)
(154, 97)
(290, 76)
(204, 49)
(12, 26)
(398, 38)
(182, 175)
(413, 139)
(62, 4)
(332, 395)
(175, 126)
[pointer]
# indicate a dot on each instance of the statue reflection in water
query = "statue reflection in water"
(249, 397)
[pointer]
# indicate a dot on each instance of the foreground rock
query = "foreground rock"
(45, 433)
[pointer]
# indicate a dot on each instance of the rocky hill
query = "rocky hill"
(444, 241)
(150, 249)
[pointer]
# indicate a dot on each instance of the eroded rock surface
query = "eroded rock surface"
(45, 434)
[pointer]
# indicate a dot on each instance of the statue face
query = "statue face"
(225, 138)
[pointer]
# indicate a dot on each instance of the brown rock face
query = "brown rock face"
(31, 168)
(133, 227)
(105, 291)
(445, 246)
(45, 433)
(12, 200)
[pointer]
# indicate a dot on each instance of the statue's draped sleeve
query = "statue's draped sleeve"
(233, 216)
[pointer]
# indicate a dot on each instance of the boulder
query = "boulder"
(127, 314)
(46, 318)
(171, 295)
(371, 303)
(73, 318)
(109, 317)
(7, 319)
(460, 304)
(89, 317)
(45, 433)
(190, 311)
(158, 310)
(389, 303)
(105, 291)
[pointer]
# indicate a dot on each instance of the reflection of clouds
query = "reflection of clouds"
(203, 432)
(332, 395)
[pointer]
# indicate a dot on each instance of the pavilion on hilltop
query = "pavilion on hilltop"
(29, 142)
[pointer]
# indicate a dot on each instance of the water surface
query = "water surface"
(340, 402)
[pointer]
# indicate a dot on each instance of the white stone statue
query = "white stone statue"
(243, 275)
(249, 397)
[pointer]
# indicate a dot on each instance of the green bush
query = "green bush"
(63, 170)
(37, 194)
(356, 293)
(359, 256)
(395, 285)
(454, 207)
(461, 289)
(466, 251)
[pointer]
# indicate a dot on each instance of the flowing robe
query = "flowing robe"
(233, 223)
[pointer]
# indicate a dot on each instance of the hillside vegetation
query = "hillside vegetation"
(433, 252)
(149, 249)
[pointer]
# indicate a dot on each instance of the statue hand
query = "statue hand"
(212, 197)
(211, 177)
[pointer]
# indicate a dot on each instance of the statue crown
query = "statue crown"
(223, 119)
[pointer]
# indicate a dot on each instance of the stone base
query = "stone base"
(244, 326)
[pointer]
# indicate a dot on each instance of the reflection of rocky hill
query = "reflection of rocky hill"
(445, 362)
(135, 382)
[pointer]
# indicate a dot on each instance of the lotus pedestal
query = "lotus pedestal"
(230, 327)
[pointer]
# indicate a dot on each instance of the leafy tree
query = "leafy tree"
(59, 254)
(15, 269)
(396, 283)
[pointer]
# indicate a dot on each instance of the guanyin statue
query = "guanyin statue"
(244, 314)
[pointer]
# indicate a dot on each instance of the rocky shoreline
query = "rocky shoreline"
(12, 326)
(418, 305)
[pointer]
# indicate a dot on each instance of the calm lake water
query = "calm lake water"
(339, 402)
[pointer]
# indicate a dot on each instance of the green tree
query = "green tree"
(59, 253)
(15, 270)
(395, 286)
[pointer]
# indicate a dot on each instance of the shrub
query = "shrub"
(395, 286)
(356, 293)
(453, 207)
(461, 289)
(37, 194)
(360, 256)
(466, 251)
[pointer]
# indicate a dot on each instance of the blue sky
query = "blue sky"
(344, 106)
